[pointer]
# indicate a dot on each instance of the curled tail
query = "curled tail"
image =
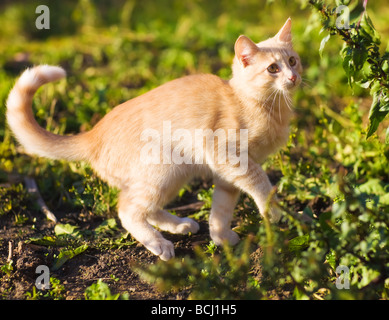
(34, 138)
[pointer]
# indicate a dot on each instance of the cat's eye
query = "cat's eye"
(273, 68)
(292, 61)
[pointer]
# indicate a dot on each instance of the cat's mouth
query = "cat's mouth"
(290, 85)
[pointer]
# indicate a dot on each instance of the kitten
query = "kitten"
(132, 147)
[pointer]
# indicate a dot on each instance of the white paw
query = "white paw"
(220, 237)
(187, 225)
(161, 247)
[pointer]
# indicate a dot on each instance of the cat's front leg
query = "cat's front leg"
(255, 182)
(224, 200)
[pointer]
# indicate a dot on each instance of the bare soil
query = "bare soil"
(112, 265)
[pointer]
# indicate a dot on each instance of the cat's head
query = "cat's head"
(270, 64)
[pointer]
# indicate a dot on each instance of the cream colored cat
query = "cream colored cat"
(132, 147)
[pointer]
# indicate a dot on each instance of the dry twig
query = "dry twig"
(10, 251)
(32, 188)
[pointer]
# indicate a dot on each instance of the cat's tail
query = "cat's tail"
(35, 139)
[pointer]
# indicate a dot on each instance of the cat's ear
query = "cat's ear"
(285, 34)
(245, 50)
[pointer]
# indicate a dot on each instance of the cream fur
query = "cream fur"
(253, 99)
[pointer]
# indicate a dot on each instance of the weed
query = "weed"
(206, 197)
(7, 268)
(55, 293)
(100, 291)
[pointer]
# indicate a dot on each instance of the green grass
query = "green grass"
(116, 50)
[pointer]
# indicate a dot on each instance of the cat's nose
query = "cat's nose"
(293, 78)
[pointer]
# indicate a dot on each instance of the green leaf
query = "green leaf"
(47, 241)
(348, 68)
(323, 43)
(66, 255)
(359, 57)
(384, 107)
(299, 243)
(375, 116)
(375, 88)
(385, 66)
(331, 258)
(299, 294)
(364, 85)
(372, 186)
(367, 29)
(338, 209)
(66, 229)
(108, 226)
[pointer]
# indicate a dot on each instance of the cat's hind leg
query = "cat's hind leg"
(225, 197)
(171, 223)
(134, 208)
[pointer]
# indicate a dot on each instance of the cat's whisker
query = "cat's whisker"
(270, 96)
(305, 83)
(272, 109)
(307, 80)
(288, 100)
(270, 106)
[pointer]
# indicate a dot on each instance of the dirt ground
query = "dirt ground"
(113, 266)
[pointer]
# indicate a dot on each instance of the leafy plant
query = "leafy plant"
(224, 275)
(15, 199)
(55, 293)
(301, 257)
(57, 289)
(362, 59)
(7, 268)
(100, 291)
(206, 197)
(94, 195)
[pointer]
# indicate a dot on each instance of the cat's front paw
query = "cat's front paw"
(161, 247)
(221, 237)
(274, 214)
